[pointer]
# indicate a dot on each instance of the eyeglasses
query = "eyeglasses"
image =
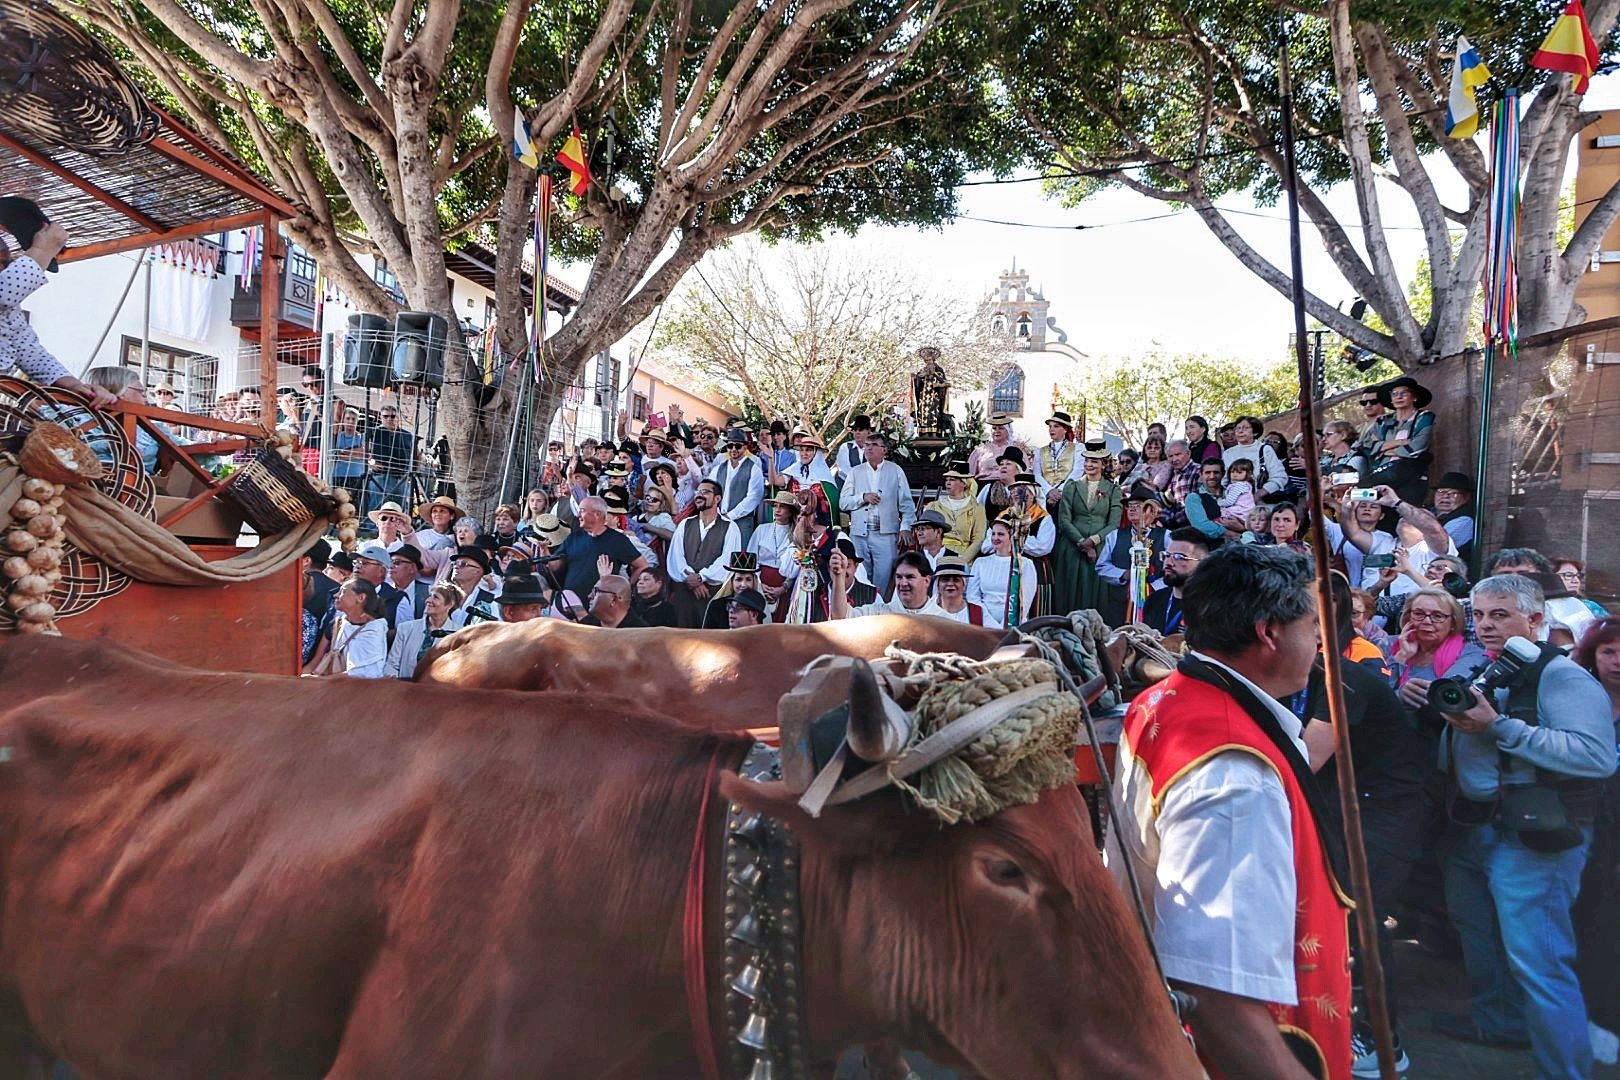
(1427, 616)
(390, 416)
(1571, 575)
(1181, 556)
(466, 564)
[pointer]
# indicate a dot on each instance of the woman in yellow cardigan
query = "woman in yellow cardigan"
(960, 507)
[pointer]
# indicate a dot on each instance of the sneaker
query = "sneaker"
(1365, 1053)
(1463, 1028)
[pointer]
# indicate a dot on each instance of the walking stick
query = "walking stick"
(1332, 658)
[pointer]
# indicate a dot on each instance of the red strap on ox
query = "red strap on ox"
(697, 978)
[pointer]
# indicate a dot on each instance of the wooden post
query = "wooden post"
(271, 255)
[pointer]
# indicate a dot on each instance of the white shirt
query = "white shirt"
(1420, 557)
(895, 607)
(1360, 575)
(959, 616)
(722, 473)
(770, 541)
(1264, 458)
(363, 648)
(19, 345)
(1217, 866)
(1038, 543)
(987, 587)
(715, 573)
(895, 509)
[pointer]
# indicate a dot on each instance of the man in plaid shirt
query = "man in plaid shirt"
(1183, 482)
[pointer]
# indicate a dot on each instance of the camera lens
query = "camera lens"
(1450, 695)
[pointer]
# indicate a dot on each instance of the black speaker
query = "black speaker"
(419, 339)
(365, 351)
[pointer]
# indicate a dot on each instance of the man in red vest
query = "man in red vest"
(1222, 818)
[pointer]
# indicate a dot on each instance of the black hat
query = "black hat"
(778, 428)
(585, 467)
(1141, 491)
(408, 552)
(488, 542)
(1420, 393)
(1061, 417)
(617, 500)
(319, 554)
(847, 546)
(737, 436)
(342, 560)
(1014, 454)
(743, 562)
(750, 599)
(476, 554)
(1456, 481)
(1025, 478)
(520, 589)
(630, 446)
(860, 422)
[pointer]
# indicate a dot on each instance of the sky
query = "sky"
(1125, 285)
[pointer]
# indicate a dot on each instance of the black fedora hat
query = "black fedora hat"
(1420, 393)
(1456, 481)
(476, 554)
(521, 589)
(1014, 454)
(752, 599)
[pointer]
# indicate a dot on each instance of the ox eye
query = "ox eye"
(1003, 873)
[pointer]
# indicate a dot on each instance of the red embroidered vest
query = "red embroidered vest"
(1175, 726)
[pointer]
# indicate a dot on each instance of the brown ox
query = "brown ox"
(250, 876)
(698, 675)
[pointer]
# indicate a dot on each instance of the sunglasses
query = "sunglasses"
(1369, 401)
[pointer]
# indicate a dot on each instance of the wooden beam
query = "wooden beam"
(247, 183)
(271, 254)
(222, 174)
(96, 193)
(147, 239)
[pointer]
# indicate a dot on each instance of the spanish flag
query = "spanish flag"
(1468, 71)
(572, 157)
(1570, 47)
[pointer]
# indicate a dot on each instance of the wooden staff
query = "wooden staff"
(1332, 659)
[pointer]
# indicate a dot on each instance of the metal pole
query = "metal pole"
(146, 327)
(1482, 457)
(328, 437)
(1332, 658)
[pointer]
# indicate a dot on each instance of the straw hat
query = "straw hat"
(440, 500)
(387, 510)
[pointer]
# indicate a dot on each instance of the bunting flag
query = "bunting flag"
(1570, 47)
(250, 258)
(572, 157)
(1468, 72)
(523, 145)
(1502, 228)
(542, 227)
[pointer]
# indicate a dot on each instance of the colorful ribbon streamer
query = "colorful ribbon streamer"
(542, 228)
(1502, 228)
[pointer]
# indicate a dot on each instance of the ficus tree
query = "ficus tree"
(390, 123)
(1181, 102)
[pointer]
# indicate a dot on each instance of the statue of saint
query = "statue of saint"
(929, 388)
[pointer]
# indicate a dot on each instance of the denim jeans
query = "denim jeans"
(380, 489)
(1511, 907)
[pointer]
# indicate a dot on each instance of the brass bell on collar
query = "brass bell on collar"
(763, 1069)
(748, 932)
(751, 830)
(748, 877)
(749, 981)
(754, 1034)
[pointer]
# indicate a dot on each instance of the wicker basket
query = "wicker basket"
(275, 494)
(52, 452)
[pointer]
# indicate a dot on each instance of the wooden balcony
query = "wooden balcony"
(298, 300)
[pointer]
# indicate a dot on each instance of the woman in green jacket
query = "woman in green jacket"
(1088, 512)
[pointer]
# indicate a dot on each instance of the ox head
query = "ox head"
(1000, 947)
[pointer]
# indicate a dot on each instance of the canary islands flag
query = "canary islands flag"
(523, 147)
(1570, 47)
(1468, 71)
(572, 157)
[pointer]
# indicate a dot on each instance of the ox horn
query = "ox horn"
(879, 728)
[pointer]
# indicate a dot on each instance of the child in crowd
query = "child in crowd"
(1259, 525)
(1238, 497)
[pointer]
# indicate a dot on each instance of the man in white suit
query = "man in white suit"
(878, 497)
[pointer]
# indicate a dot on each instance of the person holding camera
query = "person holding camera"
(1528, 744)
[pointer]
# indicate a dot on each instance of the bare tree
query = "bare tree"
(394, 120)
(1184, 108)
(811, 335)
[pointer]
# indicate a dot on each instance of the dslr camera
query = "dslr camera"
(1453, 696)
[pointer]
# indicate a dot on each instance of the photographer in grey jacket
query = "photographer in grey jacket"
(1524, 765)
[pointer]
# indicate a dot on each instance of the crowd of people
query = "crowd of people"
(703, 526)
